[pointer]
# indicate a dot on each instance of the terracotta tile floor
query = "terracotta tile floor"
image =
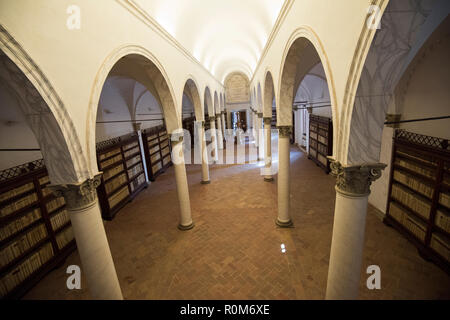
(234, 250)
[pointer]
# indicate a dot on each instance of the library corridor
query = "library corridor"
(219, 150)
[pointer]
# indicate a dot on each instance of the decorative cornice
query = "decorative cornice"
(355, 181)
(285, 131)
(78, 196)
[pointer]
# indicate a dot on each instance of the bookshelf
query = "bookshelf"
(120, 160)
(320, 141)
(157, 150)
(35, 230)
(419, 194)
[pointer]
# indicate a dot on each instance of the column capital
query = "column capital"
(137, 126)
(393, 118)
(355, 181)
(260, 115)
(309, 109)
(267, 120)
(285, 131)
(176, 137)
(212, 118)
(79, 196)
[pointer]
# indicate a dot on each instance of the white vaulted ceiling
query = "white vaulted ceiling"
(224, 35)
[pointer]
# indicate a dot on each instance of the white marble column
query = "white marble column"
(224, 125)
(352, 192)
(261, 149)
(256, 131)
(229, 122)
(204, 154)
(219, 132)
(93, 248)
(214, 137)
(186, 222)
(284, 219)
(268, 150)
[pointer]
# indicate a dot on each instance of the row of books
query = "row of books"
(112, 185)
(46, 191)
(416, 227)
(60, 219)
(154, 149)
(136, 183)
(130, 145)
(119, 196)
(16, 191)
(64, 237)
(109, 154)
(135, 170)
(110, 161)
(322, 159)
(441, 244)
(442, 220)
(156, 167)
(313, 127)
(423, 159)
(152, 137)
(313, 152)
(164, 144)
(444, 199)
(414, 167)
(410, 200)
(22, 244)
(323, 132)
(166, 160)
(44, 180)
(131, 152)
(133, 160)
(313, 135)
(55, 204)
(18, 204)
(20, 223)
(322, 149)
(19, 274)
(113, 171)
(413, 183)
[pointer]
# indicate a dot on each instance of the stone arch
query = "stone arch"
(191, 89)
(139, 64)
(269, 94)
(209, 107)
(259, 98)
(303, 50)
(45, 112)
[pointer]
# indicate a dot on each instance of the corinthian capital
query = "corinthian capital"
(285, 131)
(79, 196)
(355, 181)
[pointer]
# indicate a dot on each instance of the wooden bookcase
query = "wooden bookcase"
(35, 230)
(157, 150)
(120, 160)
(320, 140)
(419, 194)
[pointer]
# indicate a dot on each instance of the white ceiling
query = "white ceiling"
(224, 35)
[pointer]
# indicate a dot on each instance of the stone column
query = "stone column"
(98, 266)
(261, 137)
(204, 154)
(224, 125)
(352, 192)
(268, 150)
(181, 181)
(137, 128)
(284, 219)
(214, 137)
(256, 131)
(219, 132)
(229, 125)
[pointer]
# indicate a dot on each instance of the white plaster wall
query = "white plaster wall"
(15, 133)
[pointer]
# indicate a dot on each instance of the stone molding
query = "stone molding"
(355, 181)
(79, 196)
(285, 131)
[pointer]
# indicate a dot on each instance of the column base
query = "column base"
(206, 182)
(185, 228)
(268, 179)
(287, 224)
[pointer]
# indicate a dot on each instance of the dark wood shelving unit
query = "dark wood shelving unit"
(320, 141)
(419, 194)
(157, 150)
(35, 229)
(120, 160)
